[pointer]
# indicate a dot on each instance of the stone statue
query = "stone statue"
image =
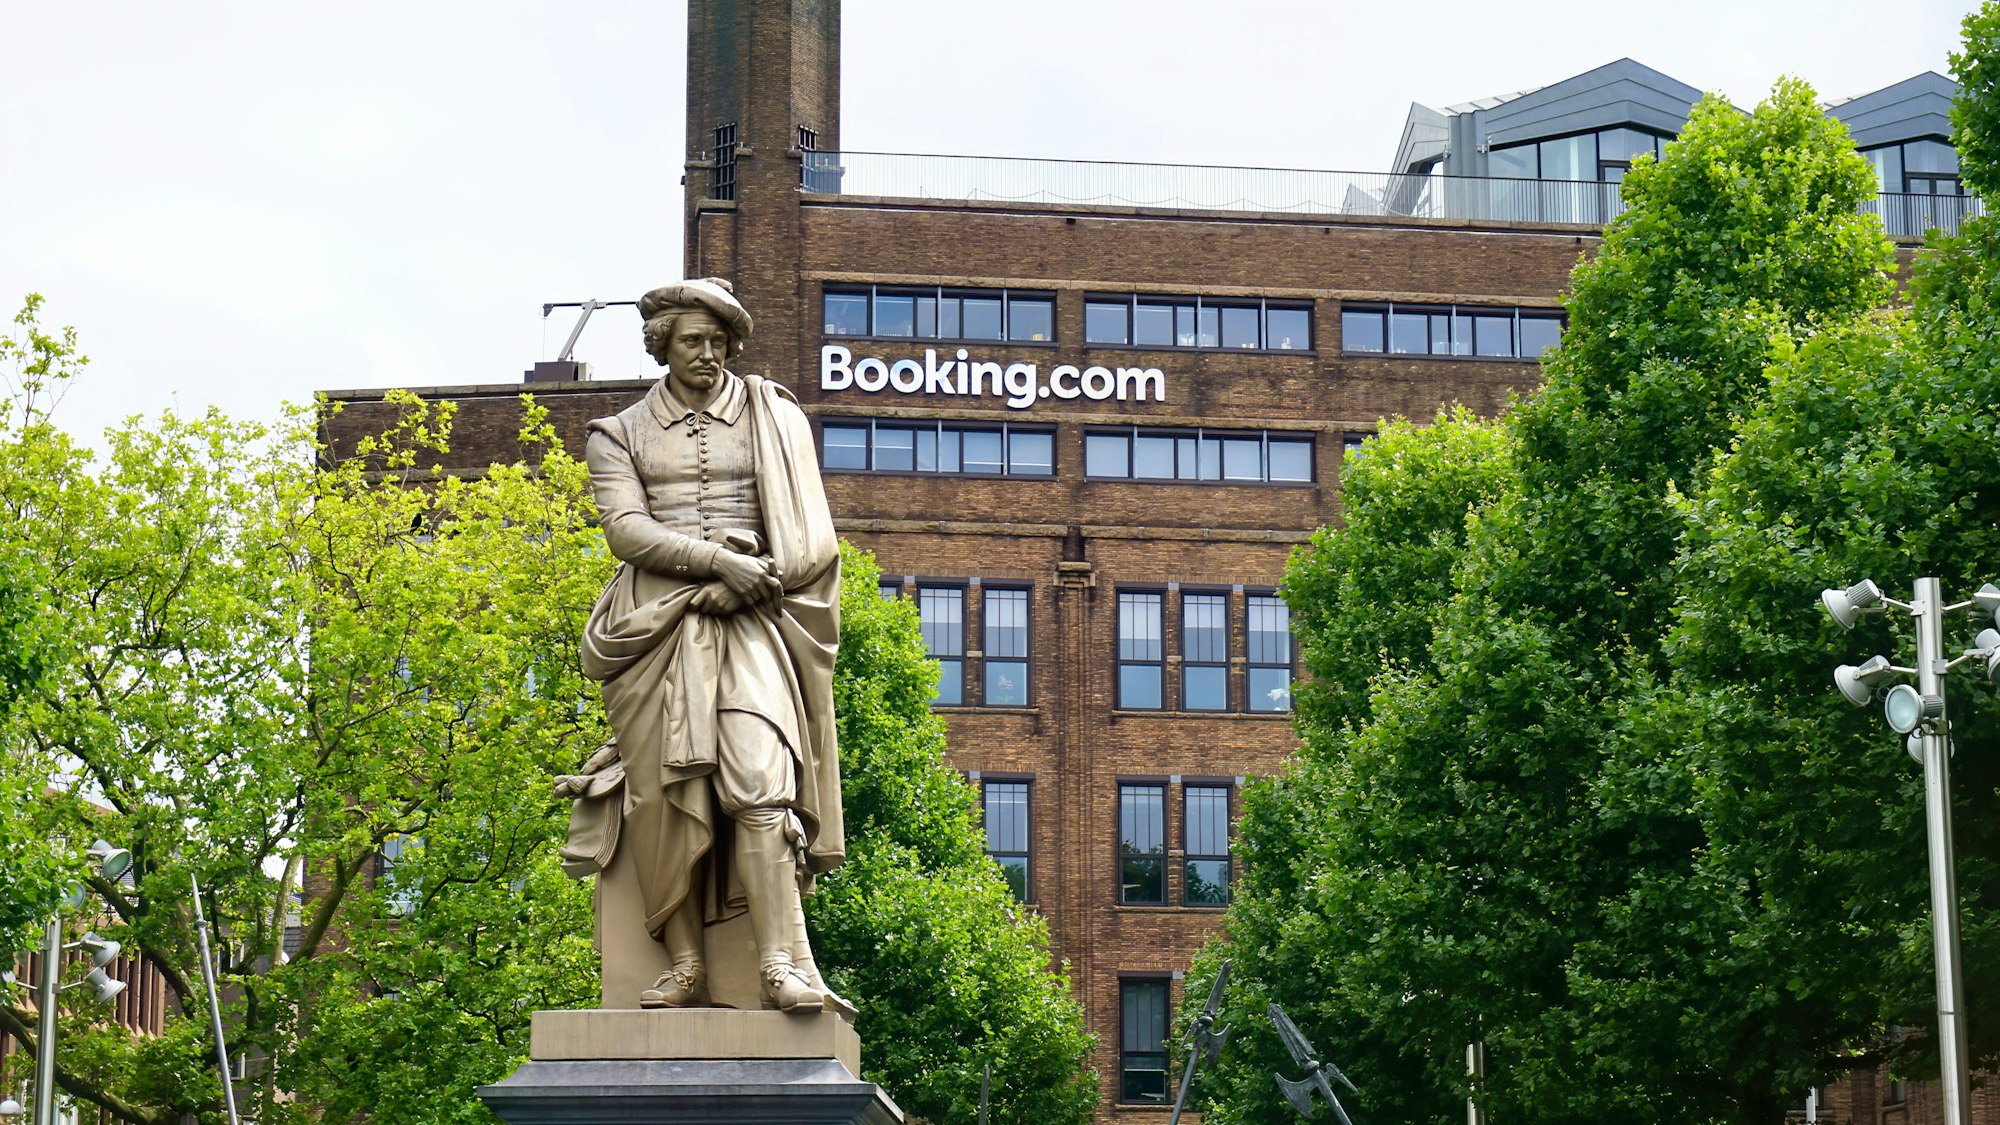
(715, 643)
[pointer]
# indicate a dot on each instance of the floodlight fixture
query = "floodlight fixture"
(1847, 606)
(1906, 709)
(1858, 681)
(1987, 598)
(103, 951)
(101, 983)
(11, 1108)
(1989, 639)
(113, 861)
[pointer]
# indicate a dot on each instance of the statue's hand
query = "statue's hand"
(716, 600)
(755, 580)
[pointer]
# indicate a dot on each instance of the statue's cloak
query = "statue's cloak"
(667, 672)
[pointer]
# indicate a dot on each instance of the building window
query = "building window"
(1142, 1041)
(1006, 647)
(1006, 807)
(400, 895)
(1230, 456)
(958, 449)
(1269, 629)
(722, 182)
(1135, 320)
(941, 617)
(1205, 832)
(891, 589)
(1139, 651)
(1205, 652)
(1449, 330)
(932, 313)
(808, 139)
(1142, 844)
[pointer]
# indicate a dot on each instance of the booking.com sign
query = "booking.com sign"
(1021, 384)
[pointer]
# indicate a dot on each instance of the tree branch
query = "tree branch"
(15, 1023)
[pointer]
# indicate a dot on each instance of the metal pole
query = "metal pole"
(1475, 1074)
(45, 1049)
(214, 1008)
(1927, 609)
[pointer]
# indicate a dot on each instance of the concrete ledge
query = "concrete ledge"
(694, 1092)
(632, 1034)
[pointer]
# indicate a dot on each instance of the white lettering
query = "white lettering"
(1020, 391)
(1062, 381)
(982, 373)
(1097, 383)
(1138, 379)
(937, 380)
(868, 382)
(834, 372)
(909, 367)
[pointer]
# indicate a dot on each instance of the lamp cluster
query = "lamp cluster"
(1906, 707)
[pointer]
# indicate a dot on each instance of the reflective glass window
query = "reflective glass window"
(1569, 158)
(1107, 455)
(1513, 162)
(1361, 331)
(1104, 322)
(1153, 457)
(941, 619)
(1153, 324)
(1006, 631)
(1409, 333)
(1242, 459)
(1204, 652)
(1139, 650)
(1031, 318)
(1539, 334)
(1929, 156)
(927, 309)
(1205, 331)
(1291, 460)
(1493, 335)
(979, 318)
(1287, 329)
(1625, 145)
(1239, 326)
(1142, 1042)
(1268, 630)
(895, 449)
(844, 446)
(1142, 843)
(1030, 453)
(1006, 820)
(895, 315)
(949, 327)
(1205, 843)
(1184, 335)
(982, 451)
(847, 314)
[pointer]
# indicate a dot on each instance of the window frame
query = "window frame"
(1027, 657)
(1132, 982)
(1007, 429)
(1250, 664)
(1196, 305)
(1158, 663)
(938, 295)
(1026, 893)
(945, 661)
(1124, 854)
(1221, 661)
(1227, 786)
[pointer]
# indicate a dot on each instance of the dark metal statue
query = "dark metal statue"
(1205, 1040)
(1300, 1093)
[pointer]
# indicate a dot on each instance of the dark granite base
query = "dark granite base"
(689, 1092)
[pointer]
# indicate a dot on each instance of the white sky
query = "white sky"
(239, 203)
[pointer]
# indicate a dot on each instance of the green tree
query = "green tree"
(278, 668)
(1477, 846)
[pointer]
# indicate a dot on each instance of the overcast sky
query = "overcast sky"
(239, 203)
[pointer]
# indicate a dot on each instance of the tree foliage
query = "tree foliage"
(277, 669)
(1515, 820)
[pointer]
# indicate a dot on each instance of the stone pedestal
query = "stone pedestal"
(702, 1066)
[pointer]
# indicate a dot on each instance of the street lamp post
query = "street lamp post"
(1919, 712)
(112, 862)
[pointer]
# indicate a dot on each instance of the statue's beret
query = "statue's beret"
(712, 294)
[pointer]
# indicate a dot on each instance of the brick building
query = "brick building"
(1082, 413)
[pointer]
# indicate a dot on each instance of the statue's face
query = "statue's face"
(695, 353)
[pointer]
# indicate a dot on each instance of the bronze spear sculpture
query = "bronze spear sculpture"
(1205, 1040)
(1300, 1093)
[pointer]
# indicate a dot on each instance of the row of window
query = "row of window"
(997, 315)
(932, 313)
(1454, 330)
(1202, 656)
(1142, 836)
(1604, 156)
(1028, 450)
(1143, 683)
(1197, 322)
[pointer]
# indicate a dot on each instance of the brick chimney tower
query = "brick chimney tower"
(763, 88)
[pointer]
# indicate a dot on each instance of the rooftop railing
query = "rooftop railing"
(1298, 191)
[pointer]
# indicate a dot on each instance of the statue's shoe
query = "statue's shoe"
(834, 1003)
(788, 990)
(683, 986)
